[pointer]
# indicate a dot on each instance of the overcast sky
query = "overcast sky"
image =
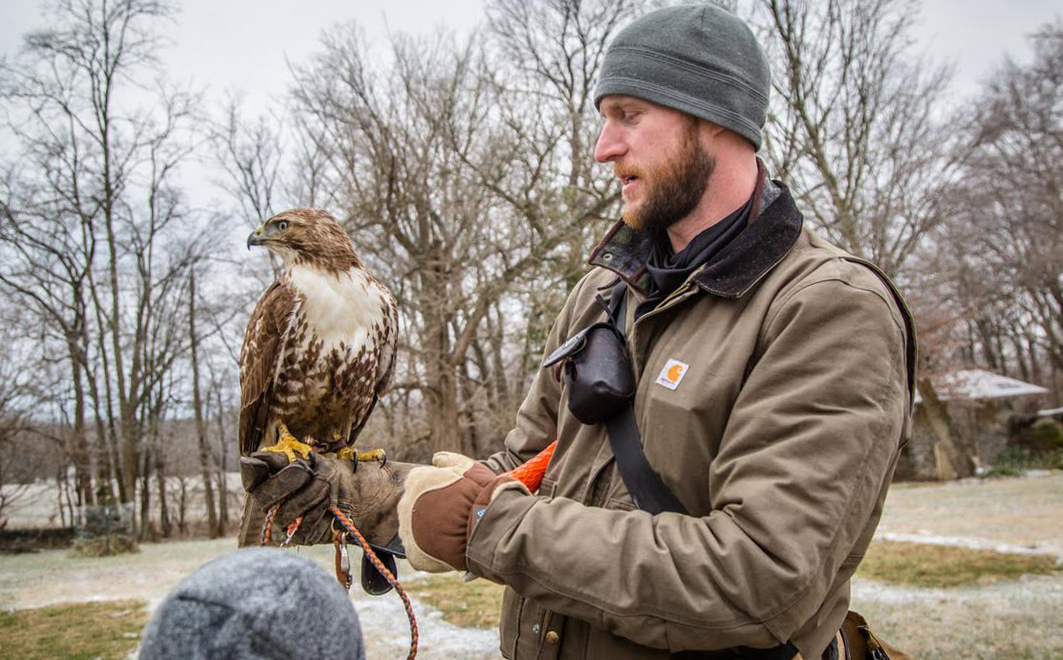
(244, 44)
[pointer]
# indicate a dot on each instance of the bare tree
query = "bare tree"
(858, 128)
(49, 255)
(1010, 225)
(250, 153)
(466, 178)
(99, 223)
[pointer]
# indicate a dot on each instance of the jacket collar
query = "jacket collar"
(731, 273)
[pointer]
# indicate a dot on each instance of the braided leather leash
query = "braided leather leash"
(530, 473)
(265, 537)
(392, 580)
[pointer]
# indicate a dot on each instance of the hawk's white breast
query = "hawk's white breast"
(339, 308)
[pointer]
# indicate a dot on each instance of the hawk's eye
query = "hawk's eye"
(282, 225)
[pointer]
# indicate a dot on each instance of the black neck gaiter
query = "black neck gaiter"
(668, 270)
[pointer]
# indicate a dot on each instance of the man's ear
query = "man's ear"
(708, 129)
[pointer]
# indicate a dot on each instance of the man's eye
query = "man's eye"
(282, 225)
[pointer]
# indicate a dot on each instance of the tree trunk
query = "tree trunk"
(146, 533)
(79, 441)
(205, 462)
(223, 486)
(164, 511)
(182, 508)
(131, 450)
(470, 438)
(442, 393)
(62, 485)
(949, 451)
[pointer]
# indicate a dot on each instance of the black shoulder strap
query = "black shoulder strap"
(645, 485)
(618, 307)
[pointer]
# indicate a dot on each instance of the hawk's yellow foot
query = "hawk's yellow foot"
(351, 454)
(289, 445)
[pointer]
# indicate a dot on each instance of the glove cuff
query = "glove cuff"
(419, 510)
(476, 513)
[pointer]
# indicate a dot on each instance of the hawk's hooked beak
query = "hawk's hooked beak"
(255, 237)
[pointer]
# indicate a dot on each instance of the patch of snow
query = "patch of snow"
(385, 626)
(972, 543)
(1028, 590)
(1037, 474)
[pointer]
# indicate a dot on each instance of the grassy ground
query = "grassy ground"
(82, 631)
(931, 566)
(473, 604)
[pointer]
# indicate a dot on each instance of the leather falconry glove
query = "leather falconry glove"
(440, 506)
(307, 487)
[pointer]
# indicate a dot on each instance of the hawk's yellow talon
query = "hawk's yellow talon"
(347, 454)
(373, 455)
(350, 454)
(289, 445)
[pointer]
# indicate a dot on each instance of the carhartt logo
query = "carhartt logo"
(672, 374)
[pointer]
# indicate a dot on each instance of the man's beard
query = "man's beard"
(676, 189)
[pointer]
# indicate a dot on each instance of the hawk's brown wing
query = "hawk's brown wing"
(389, 346)
(388, 341)
(263, 347)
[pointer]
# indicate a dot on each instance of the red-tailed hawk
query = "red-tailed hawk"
(320, 345)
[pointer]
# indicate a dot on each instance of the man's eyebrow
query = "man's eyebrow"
(630, 104)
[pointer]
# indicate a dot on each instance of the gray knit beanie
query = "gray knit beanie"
(699, 59)
(255, 604)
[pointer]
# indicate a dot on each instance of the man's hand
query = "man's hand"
(307, 487)
(440, 506)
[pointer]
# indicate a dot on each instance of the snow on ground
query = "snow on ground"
(1007, 619)
(1016, 618)
(46, 578)
(386, 629)
(925, 536)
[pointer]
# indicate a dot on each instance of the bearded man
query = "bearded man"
(771, 395)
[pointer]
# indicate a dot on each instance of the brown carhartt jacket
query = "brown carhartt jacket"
(778, 432)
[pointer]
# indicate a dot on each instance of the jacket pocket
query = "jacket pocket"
(521, 626)
(509, 624)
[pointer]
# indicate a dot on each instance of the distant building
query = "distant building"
(981, 404)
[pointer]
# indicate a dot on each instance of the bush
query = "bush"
(1011, 462)
(105, 546)
(1049, 433)
(1015, 461)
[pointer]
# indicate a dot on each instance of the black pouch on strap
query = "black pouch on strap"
(596, 365)
(601, 389)
(600, 384)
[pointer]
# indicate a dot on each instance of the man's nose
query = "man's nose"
(609, 146)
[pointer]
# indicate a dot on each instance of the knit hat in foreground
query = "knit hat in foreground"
(255, 604)
(700, 59)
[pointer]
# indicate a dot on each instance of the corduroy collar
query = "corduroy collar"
(732, 272)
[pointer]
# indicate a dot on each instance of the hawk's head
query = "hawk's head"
(306, 236)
